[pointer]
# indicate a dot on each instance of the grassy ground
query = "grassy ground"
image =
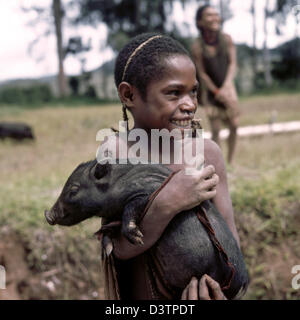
(265, 192)
(260, 109)
(64, 262)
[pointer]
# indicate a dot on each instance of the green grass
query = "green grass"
(267, 215)
(264, 183)
(265, 186)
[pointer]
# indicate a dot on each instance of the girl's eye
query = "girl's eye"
(194, 92)
(174, 93)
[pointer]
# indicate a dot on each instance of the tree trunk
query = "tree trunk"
(137, 12)
(254, 56)
(266, 53)
(57, 13)
(221, 5)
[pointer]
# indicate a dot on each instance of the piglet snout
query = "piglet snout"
(49, 217)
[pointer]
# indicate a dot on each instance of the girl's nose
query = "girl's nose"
(188, 106)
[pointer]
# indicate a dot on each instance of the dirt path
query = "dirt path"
(12, 257)
(24, 283)
(261, 129)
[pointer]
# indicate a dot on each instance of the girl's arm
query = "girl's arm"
(222, 200)
(171, 200)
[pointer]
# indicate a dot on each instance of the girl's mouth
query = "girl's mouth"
(182, 123)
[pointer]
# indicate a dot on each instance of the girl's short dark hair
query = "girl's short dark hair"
(148, 62)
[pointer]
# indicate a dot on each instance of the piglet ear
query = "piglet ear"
(101, 170)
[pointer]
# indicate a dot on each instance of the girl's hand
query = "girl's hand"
(182, 192)
(185, 191)
(205, 289)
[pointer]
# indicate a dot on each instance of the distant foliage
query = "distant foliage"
(91, 92)
(31, 95)
(74, 85)
(289, 65)
(128, 18)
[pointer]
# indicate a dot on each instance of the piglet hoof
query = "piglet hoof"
(133, 234)
(107, 245)
(136, 240)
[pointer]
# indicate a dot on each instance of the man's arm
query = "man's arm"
(222, 200)
(231, 71)
(225, 93)
(198, 60)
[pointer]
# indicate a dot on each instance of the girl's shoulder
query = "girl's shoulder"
(213, 156)
(212, 153)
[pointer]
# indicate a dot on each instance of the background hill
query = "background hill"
(99, 83)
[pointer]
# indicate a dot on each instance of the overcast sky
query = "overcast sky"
(15, 62)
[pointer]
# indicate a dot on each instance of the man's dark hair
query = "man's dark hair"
(147, 64)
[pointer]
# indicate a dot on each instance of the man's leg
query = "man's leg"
(232, 139)
(232, 121)
(215, 125)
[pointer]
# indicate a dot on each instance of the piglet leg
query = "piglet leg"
(130, 220)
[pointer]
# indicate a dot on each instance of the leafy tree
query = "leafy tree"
(53, 17)
(77, 48)
(128, 18)
(288, 67)
(225, 11)
(283, 9)
(125, 18)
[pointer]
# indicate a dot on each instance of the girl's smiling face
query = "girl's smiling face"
(171, 101)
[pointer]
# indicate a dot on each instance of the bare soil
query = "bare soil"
(23, 282)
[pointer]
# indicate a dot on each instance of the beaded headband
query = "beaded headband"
(135, 52)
